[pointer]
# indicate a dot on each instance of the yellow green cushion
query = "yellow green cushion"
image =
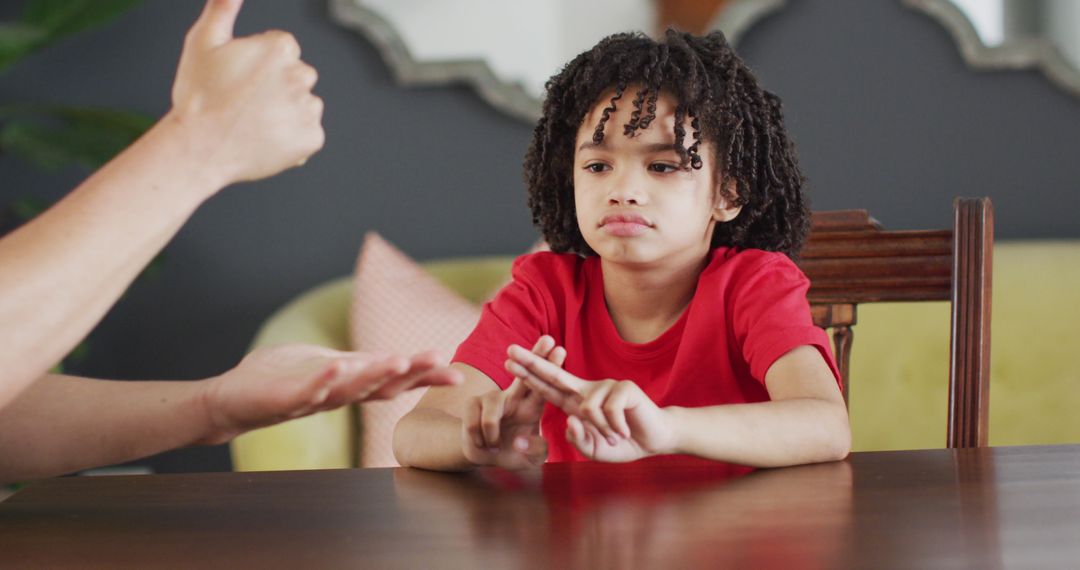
(899, 360)
(475, 279)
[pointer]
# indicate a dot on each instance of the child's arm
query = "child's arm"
(805, 422)
(477, 423)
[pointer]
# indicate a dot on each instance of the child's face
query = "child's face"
(634, 203)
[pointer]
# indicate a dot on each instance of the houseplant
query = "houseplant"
(52, 136)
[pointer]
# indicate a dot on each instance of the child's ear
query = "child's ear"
(725, 210)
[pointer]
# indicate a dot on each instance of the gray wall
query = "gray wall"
(885, 114)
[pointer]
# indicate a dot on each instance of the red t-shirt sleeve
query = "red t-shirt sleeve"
(771, 316)
(516, 315)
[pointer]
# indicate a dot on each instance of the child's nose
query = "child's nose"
(627, 190)
(621, 199)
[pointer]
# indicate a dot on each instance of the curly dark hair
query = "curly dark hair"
(715, 89)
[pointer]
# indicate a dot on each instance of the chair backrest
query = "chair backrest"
(850, 259)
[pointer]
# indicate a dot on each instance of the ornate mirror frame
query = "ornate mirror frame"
(508, 96)
(1017, 53)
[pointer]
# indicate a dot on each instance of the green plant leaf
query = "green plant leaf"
(153, 269)
(17, 40)
(134, 124)
(27, 208)
(53, 137)
(65, 17)
(46, 21)
(77, 355)
(35, 144)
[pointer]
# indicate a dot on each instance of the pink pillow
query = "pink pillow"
(399, 307)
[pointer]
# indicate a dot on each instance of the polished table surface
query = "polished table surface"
(976, 508)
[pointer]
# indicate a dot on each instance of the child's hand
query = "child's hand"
(502, 427)
(609, 420)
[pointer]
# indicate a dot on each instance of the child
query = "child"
(669, 315)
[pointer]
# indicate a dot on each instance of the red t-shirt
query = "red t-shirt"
(749, 309)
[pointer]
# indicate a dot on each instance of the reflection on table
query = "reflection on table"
(647, 514)
(980, 508)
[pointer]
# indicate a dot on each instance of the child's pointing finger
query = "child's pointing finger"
(567, 401)
(545, 371)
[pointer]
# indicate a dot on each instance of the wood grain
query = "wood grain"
(963, 508)
(851, 259)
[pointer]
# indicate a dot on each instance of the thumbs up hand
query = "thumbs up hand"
(248, 100)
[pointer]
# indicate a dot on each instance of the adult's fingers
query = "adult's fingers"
(391, 384)
(428, 359)
(389, 374)
(316, 106)
(439, 377)
(360, 379)
(305, 76)
(282, 42)
(417, 377)
(215, 25)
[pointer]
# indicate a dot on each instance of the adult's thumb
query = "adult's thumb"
(215, 25)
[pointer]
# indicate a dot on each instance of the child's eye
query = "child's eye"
(596, 167)
(663, 167)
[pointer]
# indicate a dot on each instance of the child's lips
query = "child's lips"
(625, 225)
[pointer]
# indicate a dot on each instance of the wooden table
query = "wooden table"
(977, 508)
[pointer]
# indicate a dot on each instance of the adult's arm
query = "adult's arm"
(62, 424)
(242, 110)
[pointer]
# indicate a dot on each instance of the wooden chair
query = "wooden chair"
(850, 259)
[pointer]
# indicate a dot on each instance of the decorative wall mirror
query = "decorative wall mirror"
(509, 53)
(1014, 34)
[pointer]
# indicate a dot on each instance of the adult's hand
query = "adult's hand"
(248, 98)
(278, 383)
